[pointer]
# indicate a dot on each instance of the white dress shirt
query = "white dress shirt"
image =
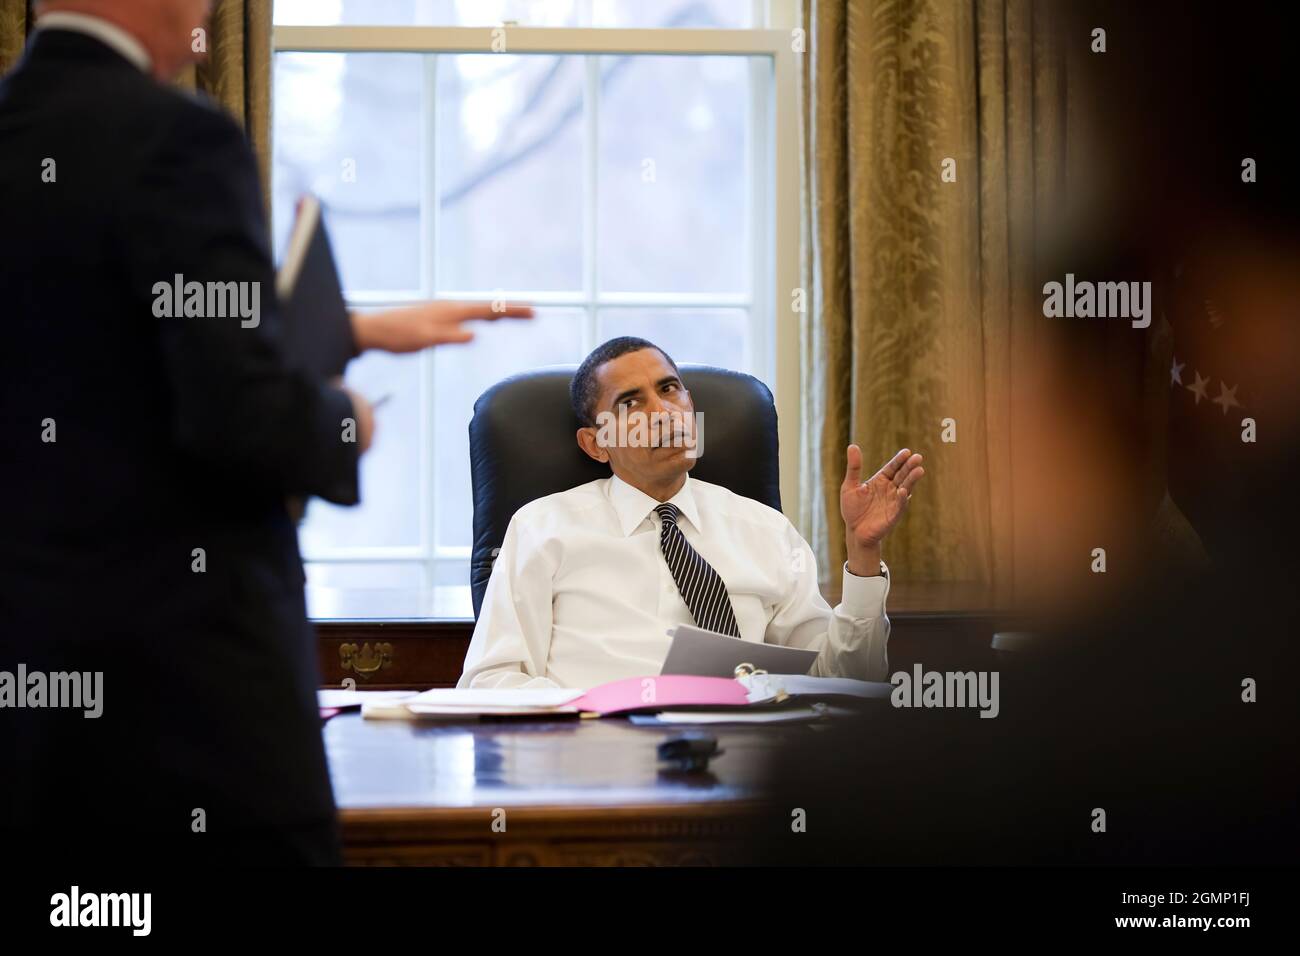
(110, 34)
(580, 593)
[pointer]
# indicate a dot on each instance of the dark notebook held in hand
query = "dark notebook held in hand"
(318, 330)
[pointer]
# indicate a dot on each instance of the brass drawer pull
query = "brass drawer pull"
(366, 661)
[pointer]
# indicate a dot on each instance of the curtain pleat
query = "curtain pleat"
(15, 25)
(922, 290)
(237, 72)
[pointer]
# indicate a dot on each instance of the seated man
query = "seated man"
(588, 581)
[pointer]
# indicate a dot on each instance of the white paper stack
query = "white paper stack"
(453, 703)
(344, 699)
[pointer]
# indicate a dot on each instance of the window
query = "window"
(627, 167)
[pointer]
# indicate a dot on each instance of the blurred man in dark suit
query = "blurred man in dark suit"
(147, 461)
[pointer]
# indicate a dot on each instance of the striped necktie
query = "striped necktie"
(701, 588)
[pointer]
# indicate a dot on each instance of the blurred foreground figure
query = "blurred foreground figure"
(147, 550)
(1162, 694)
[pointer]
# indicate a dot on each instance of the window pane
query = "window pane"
(708, 336)
(462, 374)
(510, 172)
(534, 13)
(673, 184)
(377, 575)
(452, 574)
(391, 490)
(347, 128)
(696, 14)
(510, 168)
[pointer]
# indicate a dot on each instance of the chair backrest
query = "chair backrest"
(522, 446)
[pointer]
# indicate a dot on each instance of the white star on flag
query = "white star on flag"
(1198, 388)
(1227, 397)
(1176, 373)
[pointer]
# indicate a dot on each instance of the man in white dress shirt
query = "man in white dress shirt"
(588, 581)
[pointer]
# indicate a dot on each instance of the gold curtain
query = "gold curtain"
(15, 24)
(922, 289)
(236, 73)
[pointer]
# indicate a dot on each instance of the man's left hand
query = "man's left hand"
(871, 508)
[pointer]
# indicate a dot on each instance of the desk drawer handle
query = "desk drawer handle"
(365, 661)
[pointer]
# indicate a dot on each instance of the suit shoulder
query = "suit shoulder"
(191, 118)
(194, 146)
(168, 109)
(134, 112)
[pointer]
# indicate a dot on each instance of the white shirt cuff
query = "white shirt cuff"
(864, 598)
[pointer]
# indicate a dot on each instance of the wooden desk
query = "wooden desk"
(573, 792)
(526, 793)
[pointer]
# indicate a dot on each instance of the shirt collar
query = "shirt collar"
(110, 34)
(633, 506)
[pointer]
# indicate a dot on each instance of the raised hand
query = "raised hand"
(871, 508)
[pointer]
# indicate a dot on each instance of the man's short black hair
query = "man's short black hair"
(583, 391)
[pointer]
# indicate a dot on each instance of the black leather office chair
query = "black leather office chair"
(522, 446)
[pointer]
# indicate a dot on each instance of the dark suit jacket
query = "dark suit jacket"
(171, 435)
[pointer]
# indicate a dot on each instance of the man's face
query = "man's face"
(644, 420)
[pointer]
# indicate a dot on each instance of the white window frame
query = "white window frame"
(776, 230)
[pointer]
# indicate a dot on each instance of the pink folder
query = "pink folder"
(676, 691)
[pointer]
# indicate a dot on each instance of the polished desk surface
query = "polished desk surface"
(576, 792)
(502, 763)
(571, 792)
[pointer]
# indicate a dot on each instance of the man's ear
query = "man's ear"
(587, 442)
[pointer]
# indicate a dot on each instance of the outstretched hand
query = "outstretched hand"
(871, 508)
(415, 327)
